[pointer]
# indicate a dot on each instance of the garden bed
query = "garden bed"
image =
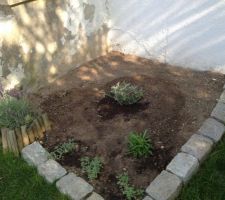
(176, 102)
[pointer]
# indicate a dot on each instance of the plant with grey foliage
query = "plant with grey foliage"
(126, 93)
(91, 166)
(129, 191)
(62, 149)
(15, 113)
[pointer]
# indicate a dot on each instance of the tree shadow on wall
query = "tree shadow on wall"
(52, 38)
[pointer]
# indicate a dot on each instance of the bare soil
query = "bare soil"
(175, 103)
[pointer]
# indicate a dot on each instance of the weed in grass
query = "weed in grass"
(126, 93)
(15, 113)
(129, 191)
(91, 167)
(139, 144)
(62, 149)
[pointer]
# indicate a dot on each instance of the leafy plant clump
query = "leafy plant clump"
(139, 144)
(91, 167)
(62, 149)
(126, 93)
(129, 191)
(15, 113)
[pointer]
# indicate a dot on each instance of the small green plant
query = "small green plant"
(91, 166)
(15, 113)
(126, 93)
(129, 191)
(139, 144)
(62, 149)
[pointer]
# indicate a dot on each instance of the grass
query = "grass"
(209, 182)
(18, 181)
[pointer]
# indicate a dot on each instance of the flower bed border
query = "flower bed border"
(15, 140)
(166, 186)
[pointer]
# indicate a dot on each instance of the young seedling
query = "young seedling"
(91, 166)
(129, 191)
(62, 149)
(139, 144)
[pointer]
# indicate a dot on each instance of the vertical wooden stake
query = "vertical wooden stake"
(25, 136)
(13, 142)
(46, 122)
(31, 134)
(5, 145)
(32, 127)
(19, 139)
(41, 122)
(38, 128)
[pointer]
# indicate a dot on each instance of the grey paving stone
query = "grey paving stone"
(212, 129)
(51, 170)
(184, 166)
(198, 146)
(147, 198)
(166, 186)
(95, 196)
(34, 154)
(75, 187)
(219, 111)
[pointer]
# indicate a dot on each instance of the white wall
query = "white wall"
(189, 33)
(45, 39)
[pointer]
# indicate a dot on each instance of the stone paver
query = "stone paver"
(219, 111)
(34, 154)
(51, 170)
(165, 186)
(75, 187)
(198, 146)
(147, 198)
(95, 196)
(212, 129)
(184, 166)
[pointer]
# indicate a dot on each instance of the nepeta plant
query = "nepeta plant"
(129, 191)
(139, 144)
(91, 166)
(62, 149)
(126, 93)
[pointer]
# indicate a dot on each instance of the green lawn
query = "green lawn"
(18, 181)
(209, 182)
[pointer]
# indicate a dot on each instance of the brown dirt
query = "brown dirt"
(175, 104)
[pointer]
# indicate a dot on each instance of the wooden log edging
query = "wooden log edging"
(16, 140)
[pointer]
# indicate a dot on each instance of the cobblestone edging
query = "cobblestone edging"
(166, 186)
(67, 183)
